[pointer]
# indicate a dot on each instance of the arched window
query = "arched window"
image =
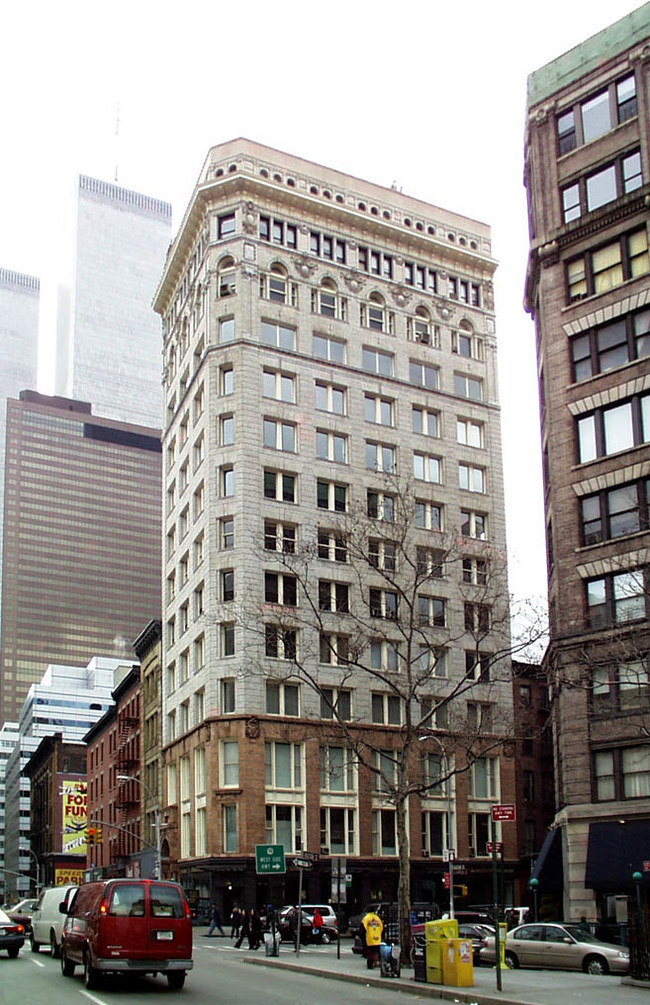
(326, 301)
(374, 315)
(276, 286)
(226, 277)
(465, 342)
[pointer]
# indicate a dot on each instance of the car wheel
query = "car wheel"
(13, 952)
(91, 975)
(35, 946)
(176, 979)
(325, 937)
(55, 949)
(511, 961)
(67, 966)
(595, 965)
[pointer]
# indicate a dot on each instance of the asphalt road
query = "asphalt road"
(220, 974)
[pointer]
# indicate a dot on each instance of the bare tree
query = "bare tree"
(403, 599)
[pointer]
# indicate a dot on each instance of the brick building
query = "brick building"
(330, 352)
(588, 287)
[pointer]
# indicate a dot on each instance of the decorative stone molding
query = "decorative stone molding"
(305, 266)
(354, 281)
(253, 728)
(249, 218)
(445, 310)
(401, 296)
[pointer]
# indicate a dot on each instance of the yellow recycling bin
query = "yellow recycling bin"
(437, 934)
(457, 965)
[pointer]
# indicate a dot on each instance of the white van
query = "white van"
(47, 920)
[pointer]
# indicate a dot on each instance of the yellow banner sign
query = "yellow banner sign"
(74, 821)
(63, 877)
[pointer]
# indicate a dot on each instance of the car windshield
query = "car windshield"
(581, 934)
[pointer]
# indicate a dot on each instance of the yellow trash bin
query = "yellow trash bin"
(457, 965)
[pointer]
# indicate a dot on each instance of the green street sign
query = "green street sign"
(269, 858)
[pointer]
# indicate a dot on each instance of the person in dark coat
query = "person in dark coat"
(254, 930)
(235, 922)
(244, 931)
(215, 922)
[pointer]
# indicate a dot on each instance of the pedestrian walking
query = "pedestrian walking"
(215, 921)
(235, 922)
(254, 930)
(244, 929)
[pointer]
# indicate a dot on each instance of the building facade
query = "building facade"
(330, 364)
(81, 539)
(66, 701)
(19, 308)
(108, 337)
(588, 287)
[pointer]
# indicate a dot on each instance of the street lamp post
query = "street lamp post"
(38, 871)
(449, 836)
(132, 778)
(534, 886)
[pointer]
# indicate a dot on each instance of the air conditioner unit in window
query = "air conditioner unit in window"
(324, 850)
(425, 853)
(422, 337)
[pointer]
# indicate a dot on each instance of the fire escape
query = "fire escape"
(127, 763)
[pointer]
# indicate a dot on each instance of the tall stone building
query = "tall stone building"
(330, 371)
(588, 288)
(19, 308)
(81, 539)
(108, 337)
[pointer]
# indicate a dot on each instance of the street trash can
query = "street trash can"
(271, 944)
(389, 957)
(457, 965)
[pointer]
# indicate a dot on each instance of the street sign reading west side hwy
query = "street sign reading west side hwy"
(269, 858)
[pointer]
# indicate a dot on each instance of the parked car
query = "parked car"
(566, 946)
(47, 921)
(12, 935)
(21, 913)
(127, 926)
(478, 935)
(330, 928)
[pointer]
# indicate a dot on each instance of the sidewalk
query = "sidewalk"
(519, 987)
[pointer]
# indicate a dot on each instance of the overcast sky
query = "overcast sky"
(430, 96)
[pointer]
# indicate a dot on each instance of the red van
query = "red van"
(126, 926)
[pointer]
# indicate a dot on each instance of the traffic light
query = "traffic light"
(90, 835)
(98, 835)
(460, 890)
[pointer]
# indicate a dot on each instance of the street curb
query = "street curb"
(468, 996)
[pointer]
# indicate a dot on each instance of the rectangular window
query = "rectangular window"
(332, 546)
(424, 375)
(468, 387)
(227, 533)
(425, 421)
(335, 702)
(280, 485)
(473, 524)
(230, 828)
(227, 330)
(384, 841)
(484, 778)
(383, 603)
(331, 398)
(279, 385)
(609, 266)
(472, 478)
(226, 225)
(429, 562)
(615, 512)
(380, 506)
(427, 468)
(333, 596)
(469, 433)
(479, 833)
(610, 430)
(280, 588)
(226, 380)
(282, 763)
(227, 578)
(227, 480)
(332, 496)
(279, 435)
(432, 611)
(280, 537)
(387, 710)
(331, 349)
(282, 699)
(284, 826)
(378, 410)
(477, 618)
(380, 457)
(277, 335)
(331, 446)
(280, 643)
(384, 656)
(338, 830)
(227, 695)
(334, 649)
(336, 769)
(227, 639)
(375, 361)
(382, 554)
(622, 773)
(428, 516)
(617, 598)
(611, 345)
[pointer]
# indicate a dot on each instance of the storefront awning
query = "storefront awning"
(548, 865)
(616, 849)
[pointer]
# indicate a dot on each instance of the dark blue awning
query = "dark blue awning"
(616, 849)
(548, 865)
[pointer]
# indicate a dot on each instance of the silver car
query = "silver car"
(565, 946)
